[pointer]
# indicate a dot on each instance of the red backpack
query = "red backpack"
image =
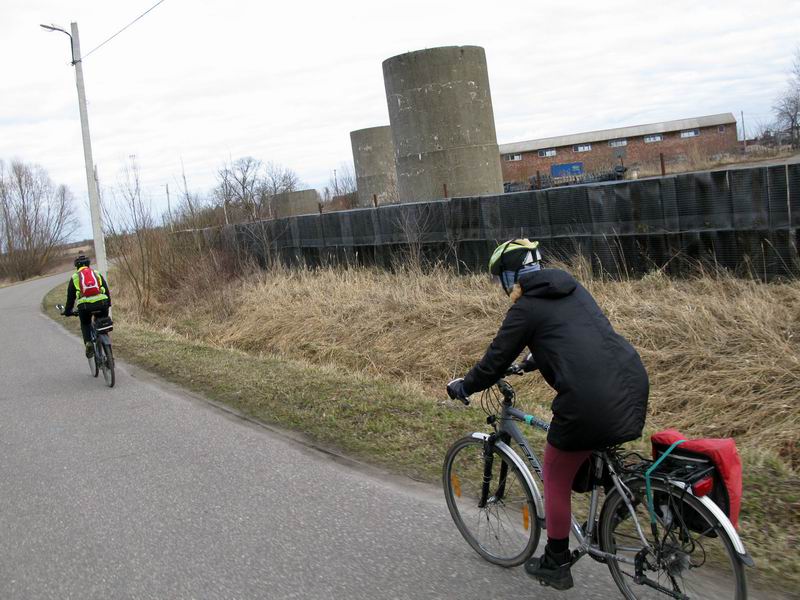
(88, 283)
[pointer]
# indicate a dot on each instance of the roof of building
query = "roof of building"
(620, 132)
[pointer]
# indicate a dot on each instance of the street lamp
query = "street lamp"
(94, 202)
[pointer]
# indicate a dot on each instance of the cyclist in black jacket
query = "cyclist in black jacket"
(601, 384)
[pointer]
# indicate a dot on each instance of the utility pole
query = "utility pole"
(169, 210)
(744, 133)
(94, 201)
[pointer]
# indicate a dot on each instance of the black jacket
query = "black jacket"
(601, 383)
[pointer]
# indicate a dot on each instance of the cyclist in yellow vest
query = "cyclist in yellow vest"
(89, 293)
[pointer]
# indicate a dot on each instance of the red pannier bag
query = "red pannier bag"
(723, 454)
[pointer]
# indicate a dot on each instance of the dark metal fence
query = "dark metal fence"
(740, 219)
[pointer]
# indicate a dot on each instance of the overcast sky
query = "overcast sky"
(204, 81)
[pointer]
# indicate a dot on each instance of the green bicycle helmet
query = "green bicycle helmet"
(511, 258)
(513, 254)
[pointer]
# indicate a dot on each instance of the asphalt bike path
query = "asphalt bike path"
(143, 491)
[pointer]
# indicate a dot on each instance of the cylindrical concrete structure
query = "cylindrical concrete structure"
(373, 157)
(301, 202)
(440, 110)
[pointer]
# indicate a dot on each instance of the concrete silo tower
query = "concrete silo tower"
(440, 110)
(373, 157)
(299, 202)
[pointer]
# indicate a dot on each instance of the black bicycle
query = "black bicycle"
(103, 359)
(657, 529)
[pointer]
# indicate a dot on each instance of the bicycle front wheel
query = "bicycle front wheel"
(505, 531)
(692, 556)
(108, 366)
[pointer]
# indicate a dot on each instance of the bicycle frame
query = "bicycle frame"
(507, 429)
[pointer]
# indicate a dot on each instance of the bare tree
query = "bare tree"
(762, 131)
(340, 193)
(277, 180)
(223, 192)
(246, 186)
(135, 241)
(36, 217)
(244, 179)
(787, 105)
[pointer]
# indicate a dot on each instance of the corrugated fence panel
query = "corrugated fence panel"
(309, 228)
(740, 219)
(602, 201)
(793, 177)
(465, 219)
(521, 215)
(646, 205)
(569, 211)
(750, 198)
(778, 197)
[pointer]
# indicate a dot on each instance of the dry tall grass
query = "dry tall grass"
(695, 160)
(722, 353)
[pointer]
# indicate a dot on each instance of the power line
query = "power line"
(121, 30)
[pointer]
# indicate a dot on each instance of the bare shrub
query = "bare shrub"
(136, 242)
(193, 211)
(415, 224)
(36, 219)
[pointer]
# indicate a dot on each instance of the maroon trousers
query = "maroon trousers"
(560, 468)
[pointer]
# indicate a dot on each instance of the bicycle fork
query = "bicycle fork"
(488, 464)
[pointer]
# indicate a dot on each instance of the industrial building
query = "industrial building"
(597, 151)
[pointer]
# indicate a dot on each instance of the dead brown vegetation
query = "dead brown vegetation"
(722, 353)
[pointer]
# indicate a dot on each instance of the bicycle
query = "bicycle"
(103, 359)
(500, 511)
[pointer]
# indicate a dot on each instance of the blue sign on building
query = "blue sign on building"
(566, 169)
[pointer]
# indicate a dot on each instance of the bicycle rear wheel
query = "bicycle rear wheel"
(692, 558)
(505, 531)
(108, 366)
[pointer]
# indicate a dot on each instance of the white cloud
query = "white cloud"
(204, 81)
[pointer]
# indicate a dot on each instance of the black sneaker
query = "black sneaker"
(89, 350)
(552, 569)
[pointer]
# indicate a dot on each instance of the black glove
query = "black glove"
(455, 389)
(515, 369)
(67, 313)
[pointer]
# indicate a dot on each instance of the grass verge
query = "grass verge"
(372, 418)
(403, 426)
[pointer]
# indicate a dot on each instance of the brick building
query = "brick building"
(684, 140)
